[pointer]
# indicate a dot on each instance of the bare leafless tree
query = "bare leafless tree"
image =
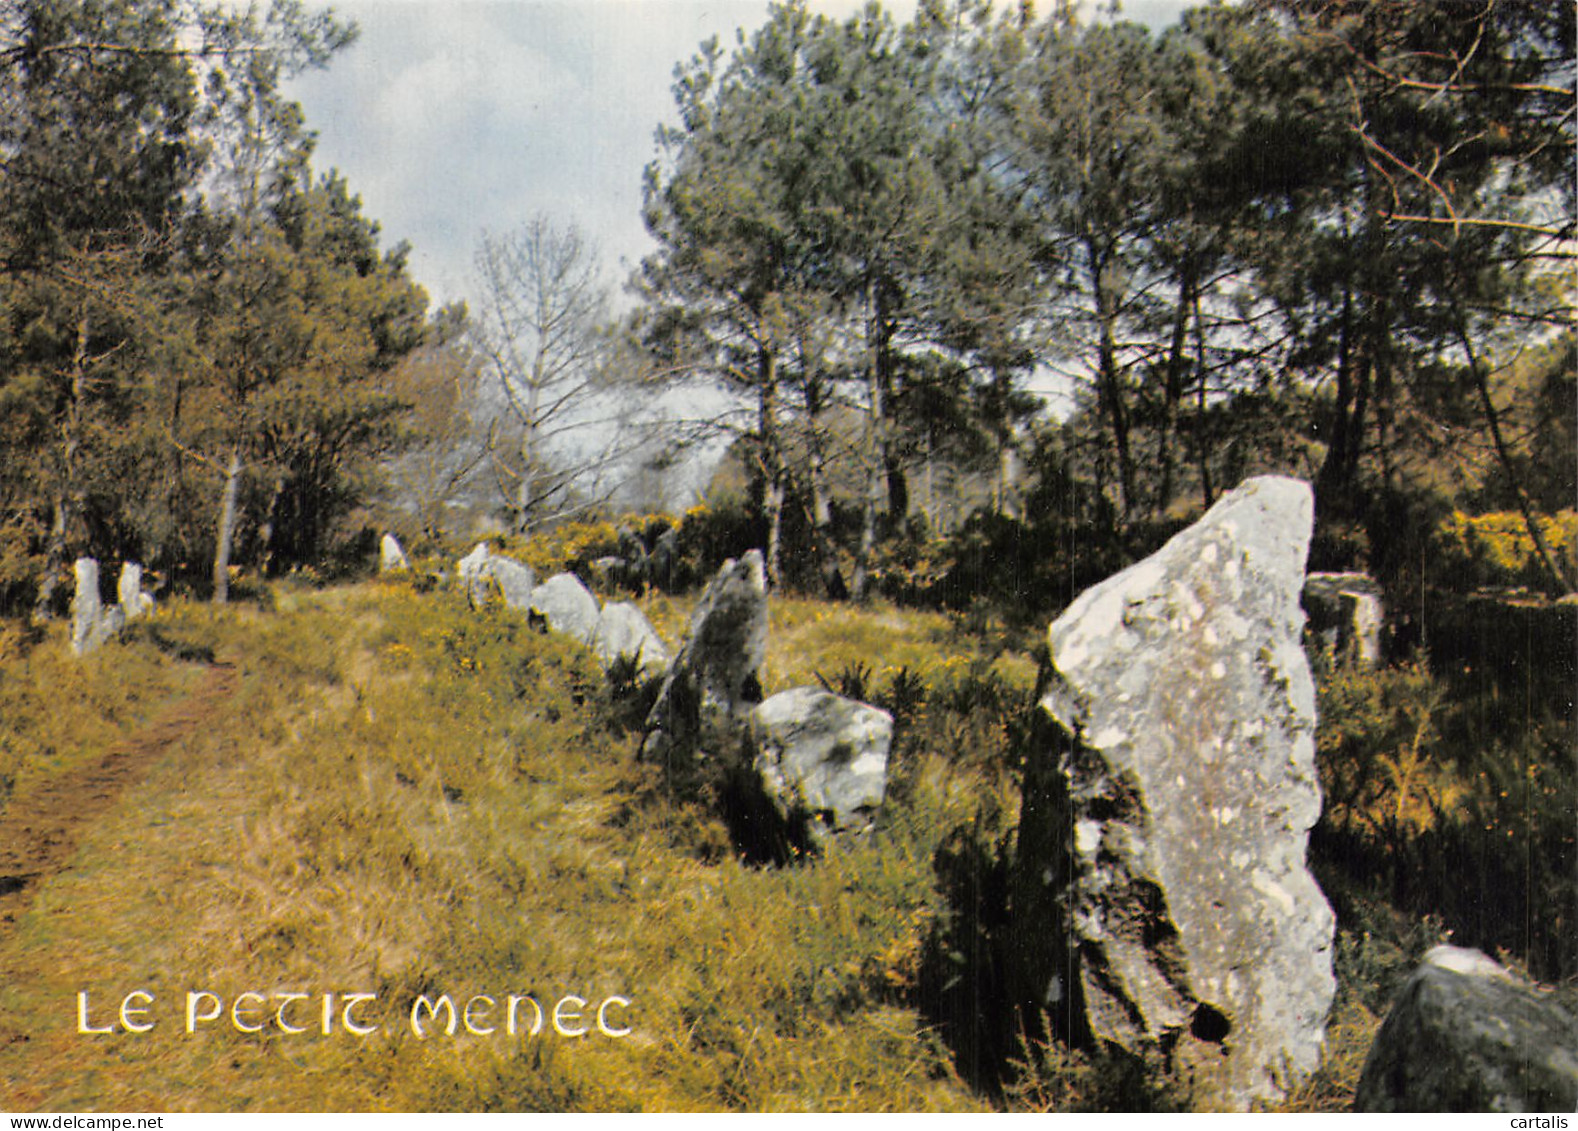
(565, 413)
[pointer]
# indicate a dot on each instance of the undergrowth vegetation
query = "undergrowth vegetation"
(407, 798)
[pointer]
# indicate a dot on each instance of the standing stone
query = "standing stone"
(1185, 773)
(85, 608)
(391, 558)
(634, 552)
(134, 602)
(702, 708)
(1347, 612)
(623, 632)
(516, 582)
(91, 623)
(471, 570)
(822, 759)
(567, 607)
(661, 562)
(1465, 1035)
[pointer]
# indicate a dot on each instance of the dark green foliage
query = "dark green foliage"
(850, 682)
(1455, 794)
(709, 536)
(628, 695)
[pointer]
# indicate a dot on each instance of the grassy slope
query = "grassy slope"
(404, 797)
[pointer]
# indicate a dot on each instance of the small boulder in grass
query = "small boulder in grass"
(623, 632)
(821, 759)
(1346, 612)
(516, 582)
(567, 606)
(471, 572)
(134, 602)
(1466, 1035)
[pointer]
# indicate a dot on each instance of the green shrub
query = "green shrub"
(1442, 798)
(1378, 749)
(709, 534)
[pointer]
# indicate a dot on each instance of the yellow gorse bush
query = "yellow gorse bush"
(1498, 545)
(570, 544)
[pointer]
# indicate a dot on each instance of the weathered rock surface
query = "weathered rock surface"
(567, 607)
(1346, 611)
(1185, 771)
(702, 708)
(623, 632)
(821, 759)
(1464, 1035)
(128, 588)
(482, 573)
(516, 582)
(91, 623)
(391, 558)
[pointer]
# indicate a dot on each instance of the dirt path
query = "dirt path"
(38, 831)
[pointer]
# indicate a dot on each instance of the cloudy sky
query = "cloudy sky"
(452, 117)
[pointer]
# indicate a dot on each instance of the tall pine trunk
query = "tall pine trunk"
(771, 457)
(226, 531)
(68, 499)
(823, 546)
(1508, 465)
(1202, 449)
(876, 446)
(1173, 390)
(1109, 382)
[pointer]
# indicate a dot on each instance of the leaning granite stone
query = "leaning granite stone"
(1164, 835)
(623, 632)
(1347, 613)
(822, 760)
(516, 582)
(470, 570)
(391, 558)
(702, 708)
(1465, 1035)
(134, 602)
(567, 607)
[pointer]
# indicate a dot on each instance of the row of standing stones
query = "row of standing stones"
(1160, 895)
(92, 621)
(817, 761)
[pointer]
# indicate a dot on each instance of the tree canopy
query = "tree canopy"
(194, 326)
(1311, 238)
